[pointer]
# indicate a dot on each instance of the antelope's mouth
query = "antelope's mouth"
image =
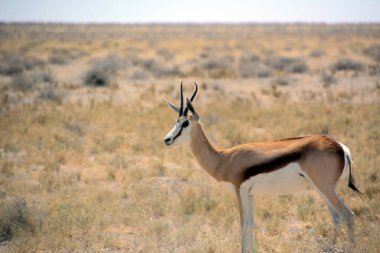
(168, 141)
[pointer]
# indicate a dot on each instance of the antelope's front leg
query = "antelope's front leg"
(251, 207)
(247, 224)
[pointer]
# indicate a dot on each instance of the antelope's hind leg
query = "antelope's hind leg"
(337, 221)
(343, 211)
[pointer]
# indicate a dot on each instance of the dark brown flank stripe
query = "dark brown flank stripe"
(272, 165)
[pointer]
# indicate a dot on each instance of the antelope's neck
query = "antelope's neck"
(208, 156)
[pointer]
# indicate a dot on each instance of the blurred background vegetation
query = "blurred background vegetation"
(83, 167)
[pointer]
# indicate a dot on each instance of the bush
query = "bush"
(58, 59)
(317, 53)
(139, 75)
(98, 77)
(61, 56)
(25, 81)
(13, 216)
(166, 54)
(102, 72)
(291, 65)
(44, 76)
(374, 70)
(218, 67)
(250, 66)
(49, 93)
(347, 64)
(328, 79)
(12, 64)
(22, 82)
(151, 67)
(160, 71)
(211, 64)
(281, 81)
(207, 52)
(373, 52)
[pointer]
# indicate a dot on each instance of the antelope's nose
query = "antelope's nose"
(168, 140)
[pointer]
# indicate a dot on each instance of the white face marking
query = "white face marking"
(180, 133)
(283, 181)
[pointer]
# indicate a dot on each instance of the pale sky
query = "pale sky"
(194, 11)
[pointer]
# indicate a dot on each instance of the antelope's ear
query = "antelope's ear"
(192, 110)
(174, 107)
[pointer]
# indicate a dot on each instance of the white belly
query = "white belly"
(283, 181)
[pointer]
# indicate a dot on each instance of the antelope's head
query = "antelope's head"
(181, 130)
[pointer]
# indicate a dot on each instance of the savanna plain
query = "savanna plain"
(83, 166)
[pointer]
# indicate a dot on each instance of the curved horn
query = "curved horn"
(195, 92)
(192, 98)
(181, 108)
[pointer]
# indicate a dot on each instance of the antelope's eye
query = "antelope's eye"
(185, 124)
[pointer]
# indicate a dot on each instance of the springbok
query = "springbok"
(276, 167)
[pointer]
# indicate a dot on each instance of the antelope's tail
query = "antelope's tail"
(348, 162)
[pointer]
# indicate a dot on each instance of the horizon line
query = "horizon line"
(193, 23)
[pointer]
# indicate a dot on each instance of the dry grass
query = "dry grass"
(87, 171)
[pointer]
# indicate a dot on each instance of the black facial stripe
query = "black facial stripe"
(184, 124)
(177, 135)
